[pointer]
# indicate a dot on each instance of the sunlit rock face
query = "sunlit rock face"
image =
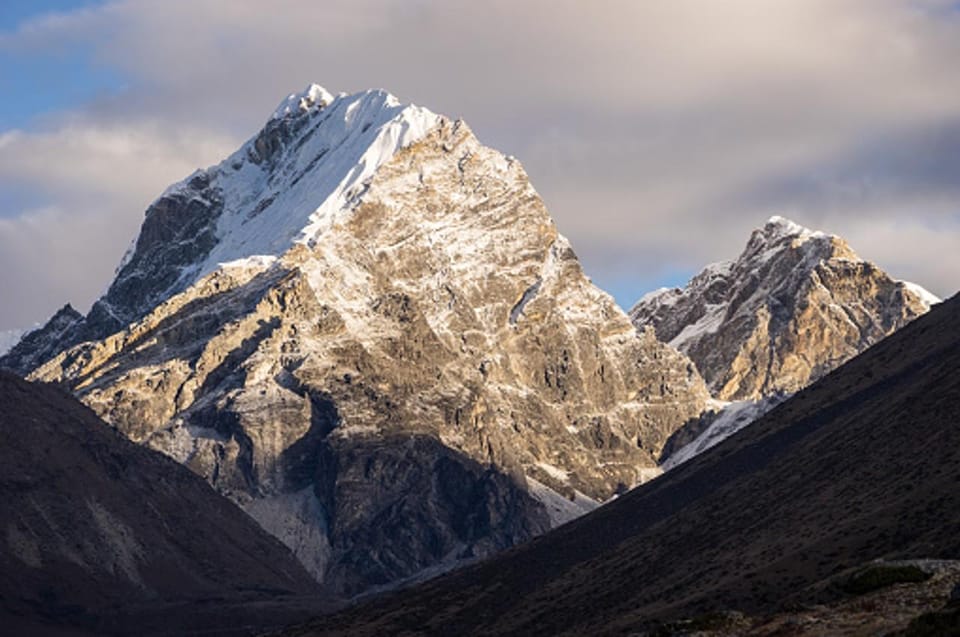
(371, 336)
(791, 308)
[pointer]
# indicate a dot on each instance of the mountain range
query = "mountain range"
(364, 330)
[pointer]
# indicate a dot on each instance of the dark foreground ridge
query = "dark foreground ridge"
(102, 536)
(863, 465)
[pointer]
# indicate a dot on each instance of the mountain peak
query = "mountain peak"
(776, 221)
(410, 368)
(795, 304)
(785, 225)
(313, 95)
(29, 348)
(315, 98)
(778, 227)
(303, 172)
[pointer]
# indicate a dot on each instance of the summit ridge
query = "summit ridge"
(793, 306)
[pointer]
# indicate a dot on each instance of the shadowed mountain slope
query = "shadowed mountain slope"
(864, 464)
(101, 534)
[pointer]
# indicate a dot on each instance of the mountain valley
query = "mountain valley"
(355, 364)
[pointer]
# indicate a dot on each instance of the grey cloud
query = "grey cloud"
(918, 162)
(46, 259)
(96, 180)
(659, 133)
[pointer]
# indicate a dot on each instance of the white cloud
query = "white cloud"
(80, 158)
(96, 180)
(659, 132)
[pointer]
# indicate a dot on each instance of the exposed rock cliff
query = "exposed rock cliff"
(371, 336)
(792, 307)
(40, 345)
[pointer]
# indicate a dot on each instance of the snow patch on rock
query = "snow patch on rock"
(560, 509)
(733, 417)
(925, 295)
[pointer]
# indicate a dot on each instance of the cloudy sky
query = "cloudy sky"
(659, 132)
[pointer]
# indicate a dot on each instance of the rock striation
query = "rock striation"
(365, 329)
(792, 307)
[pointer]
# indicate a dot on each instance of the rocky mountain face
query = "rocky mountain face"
(792, 307)
(40, 345)
(103, 535)
(365, 329)
(782, 516)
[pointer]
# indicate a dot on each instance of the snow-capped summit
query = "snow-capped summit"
(778, 228)
(295, 103)
(297, 177)
(777, 225)
(364, 327)
(793, 306)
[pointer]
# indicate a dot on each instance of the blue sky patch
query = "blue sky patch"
(35, 83)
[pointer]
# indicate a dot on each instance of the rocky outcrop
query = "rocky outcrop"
(42, 344)
(792, 307)
(414, 371)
